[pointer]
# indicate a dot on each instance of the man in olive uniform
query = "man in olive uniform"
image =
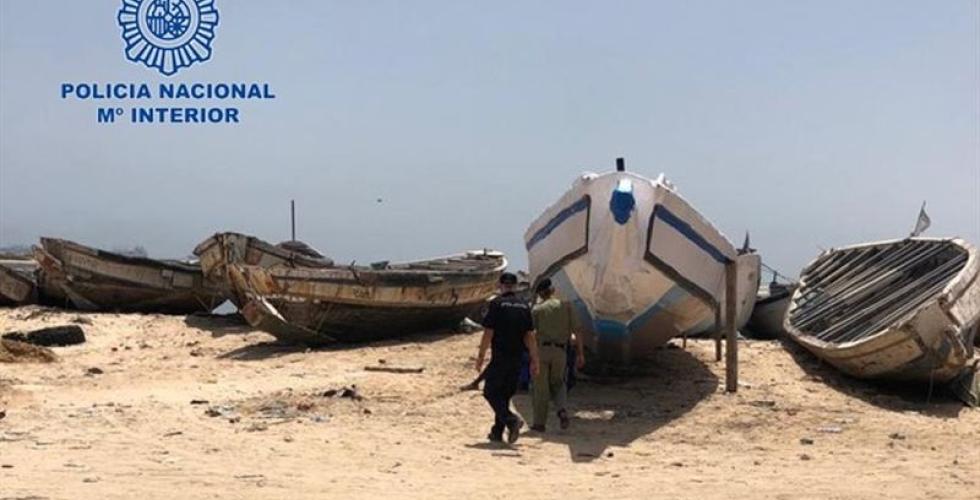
(508, 329)
(553, 327)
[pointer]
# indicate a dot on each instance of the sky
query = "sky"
(809, 124)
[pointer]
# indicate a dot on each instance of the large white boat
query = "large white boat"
(639, 264)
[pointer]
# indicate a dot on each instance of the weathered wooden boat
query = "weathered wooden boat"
(222, 249)
(91, 279)
(317, 306)
(904, 309)
(18, 284)
(639, 264)
(771, 303)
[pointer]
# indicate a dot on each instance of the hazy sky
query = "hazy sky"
(808, 123)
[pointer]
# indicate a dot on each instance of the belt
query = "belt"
(554, 344)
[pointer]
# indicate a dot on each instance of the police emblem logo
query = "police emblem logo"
(168, 35)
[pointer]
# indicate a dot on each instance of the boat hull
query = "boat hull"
(637, 262)
(320, 306)
(933, 341)
(766, 321)
(86, 278)
(17, 284)
(222, 249)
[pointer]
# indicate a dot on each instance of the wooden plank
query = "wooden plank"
(394, 369)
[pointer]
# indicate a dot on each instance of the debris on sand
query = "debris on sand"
(395, 369)
(469, 326)
(220, 411)
(345, 392)
(12, 351)
(81, 320)
(55, 336)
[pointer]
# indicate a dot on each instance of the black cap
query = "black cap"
(543, 286)
(508, 279)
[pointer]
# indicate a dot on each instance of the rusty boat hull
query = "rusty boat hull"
(77, 276)
(363, 303)
(18, 282)
(222, 249)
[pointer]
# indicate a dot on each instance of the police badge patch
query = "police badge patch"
(168, 34)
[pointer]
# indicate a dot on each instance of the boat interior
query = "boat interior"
(850, 294)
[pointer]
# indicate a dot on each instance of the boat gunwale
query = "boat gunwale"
(356, 274)
(112, 257)
(217, 239)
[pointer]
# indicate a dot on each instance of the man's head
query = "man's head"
(545, 288)
(507, 282)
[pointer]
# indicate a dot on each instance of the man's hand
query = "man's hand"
(535, 368)
(580, 360)
(484, 345)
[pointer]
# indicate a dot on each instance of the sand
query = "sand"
(209, 408)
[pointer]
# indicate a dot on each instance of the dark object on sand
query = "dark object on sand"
(97, 280)
(395, 369)
(18, 282)
(12, 351)
(344, 392)
(55, 336)
(317, 306)
(902, 309)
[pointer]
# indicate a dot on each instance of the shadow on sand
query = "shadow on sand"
(219, 325)
(936, 401)
(265, 350)
(617, 411)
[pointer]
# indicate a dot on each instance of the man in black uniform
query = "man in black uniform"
(508, 329)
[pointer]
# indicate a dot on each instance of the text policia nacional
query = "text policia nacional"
(185, 94)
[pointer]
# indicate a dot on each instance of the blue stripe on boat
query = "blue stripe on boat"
(556, 221)
(613, 328)
(661, 212)
(667, 300)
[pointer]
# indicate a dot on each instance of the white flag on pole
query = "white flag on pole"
(922, 223)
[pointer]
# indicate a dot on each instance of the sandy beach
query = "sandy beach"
(205, 407)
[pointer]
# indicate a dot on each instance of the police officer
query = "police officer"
(553, 327)
(508, 329)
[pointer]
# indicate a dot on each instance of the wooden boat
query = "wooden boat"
(317, 306)
(87, 278)
(639, 264)
(221, 249)
(903, 309)
(771, 303)
(18, 284)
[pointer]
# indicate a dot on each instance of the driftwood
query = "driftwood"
(394, 369)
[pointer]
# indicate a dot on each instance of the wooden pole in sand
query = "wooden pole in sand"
(718, 330)
(731, 339)
(292, 218)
